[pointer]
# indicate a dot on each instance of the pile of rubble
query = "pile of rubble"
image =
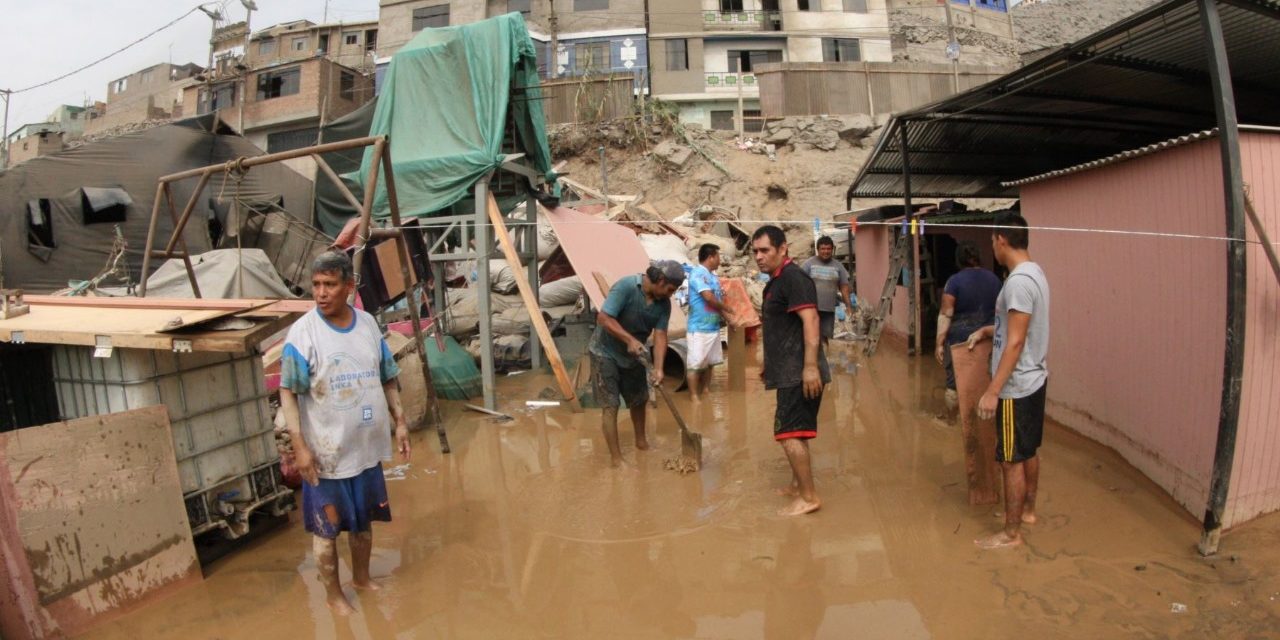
(118, 130)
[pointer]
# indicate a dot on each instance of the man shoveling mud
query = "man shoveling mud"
(637, 306)
(794, 363)
(1019, 376)
(339, 397)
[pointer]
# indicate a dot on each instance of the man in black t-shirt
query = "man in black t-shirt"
(794, 364)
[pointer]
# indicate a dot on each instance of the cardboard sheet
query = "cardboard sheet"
(973, 375)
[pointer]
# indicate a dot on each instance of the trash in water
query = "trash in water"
(396, 473)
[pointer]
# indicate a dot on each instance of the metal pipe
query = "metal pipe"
(247, 163)
(186, 213)
(333, 175)
(1233, 359)
(484, 291)
(151, 239)
(914, 346)
(531, 245)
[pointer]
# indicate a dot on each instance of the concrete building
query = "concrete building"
(990, 17)
(697, 56)
(285, 103)
(71, 119)
(154, 93)
(594, 37)
(34, 140)
(349, 44)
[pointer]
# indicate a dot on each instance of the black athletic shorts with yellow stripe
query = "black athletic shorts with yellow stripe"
(1020, 426)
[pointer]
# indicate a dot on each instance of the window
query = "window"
(730, 6)
(840, 50)
(351, 38)
(290, 140)
(590, 5)
(104, 204)
(120, 85)
(803, 5)
(223, 96)
(347, 86)
(678, 55)
(324, 43)
(745, 61)
(276, 84)
(591, 56)
(722, 120)
(431, 17)
(266, 47)
(371, 40)
(299, 44)
(146, 76)
(40, 229)
(521, 6)
(855, 6)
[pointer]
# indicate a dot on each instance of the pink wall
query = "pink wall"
(1255, 478)
(1138, 324)
(872, 246)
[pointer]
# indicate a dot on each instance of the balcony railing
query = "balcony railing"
(741, 20)
(728, 81)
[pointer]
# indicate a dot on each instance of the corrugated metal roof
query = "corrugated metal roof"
(1135, 84)
(1125, 155)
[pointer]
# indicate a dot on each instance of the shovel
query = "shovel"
(690, 441)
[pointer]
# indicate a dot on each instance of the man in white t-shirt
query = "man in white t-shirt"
(339, 395)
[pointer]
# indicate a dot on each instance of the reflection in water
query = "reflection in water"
(524, 532)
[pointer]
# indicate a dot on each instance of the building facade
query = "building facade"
(703, 60)
(351, 45)
(154, 93)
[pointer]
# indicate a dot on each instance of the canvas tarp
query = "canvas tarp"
(444, 105)
(131, 163)
(222, 273)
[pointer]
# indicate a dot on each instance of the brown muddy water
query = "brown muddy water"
(524, 532)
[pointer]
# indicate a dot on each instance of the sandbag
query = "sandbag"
(664, 247)
(562, 292)
(453, 370)
(728, 250)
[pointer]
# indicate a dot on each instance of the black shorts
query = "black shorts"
(827, 324)
(796, 416)
(610, 383)
(1020, 426)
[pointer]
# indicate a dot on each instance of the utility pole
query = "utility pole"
(8, 95)
(554, 23)
(953, 50)
(248, 41)
(741, 115)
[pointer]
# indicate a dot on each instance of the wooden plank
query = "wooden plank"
(531, 303)
(103, 302)
(99, 517)
(973, 375)
(130, 328)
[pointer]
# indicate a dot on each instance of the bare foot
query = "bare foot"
(999, 540)
(366, 585)
(789, 491)
(339, 605)
(1027, 518)
(800, 506)
(642, 444)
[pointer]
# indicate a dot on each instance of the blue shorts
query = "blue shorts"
(350, 504)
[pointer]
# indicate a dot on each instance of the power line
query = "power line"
(108, 56)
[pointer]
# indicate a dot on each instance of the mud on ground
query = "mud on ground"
(524, 532)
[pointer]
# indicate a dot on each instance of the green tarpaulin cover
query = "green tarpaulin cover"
(444, 105)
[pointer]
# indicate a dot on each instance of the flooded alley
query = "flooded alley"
(524, 532)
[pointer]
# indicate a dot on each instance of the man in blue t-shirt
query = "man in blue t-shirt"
(637, 306)
(706, 308)
(968, 304)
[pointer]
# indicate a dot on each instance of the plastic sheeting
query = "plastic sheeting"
(444, 104)
(222, 273)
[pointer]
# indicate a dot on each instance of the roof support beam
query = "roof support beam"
(1105, 101)
(1233, 361)
(1064, 122)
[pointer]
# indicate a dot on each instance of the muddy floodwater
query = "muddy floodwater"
(524, 532)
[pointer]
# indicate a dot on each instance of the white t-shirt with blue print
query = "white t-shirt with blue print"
(337, 374)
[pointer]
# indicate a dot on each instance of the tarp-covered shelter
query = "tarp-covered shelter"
(58, 212)
(1130, 151)
(455, 101)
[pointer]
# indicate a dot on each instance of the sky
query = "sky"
(85, 30)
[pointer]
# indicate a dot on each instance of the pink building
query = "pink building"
(1165, 312)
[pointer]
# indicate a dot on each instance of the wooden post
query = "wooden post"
(366, 210)
(412, 291)
(531, 303)
(177, 234)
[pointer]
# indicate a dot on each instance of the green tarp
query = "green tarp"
(444, 105)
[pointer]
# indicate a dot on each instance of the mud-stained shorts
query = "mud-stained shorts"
(1020, 426)
(612, 383)
(796, 415)
(349, 504)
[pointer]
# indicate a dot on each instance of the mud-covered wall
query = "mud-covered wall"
(92, 522)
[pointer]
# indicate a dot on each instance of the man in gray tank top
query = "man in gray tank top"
(1019, 376)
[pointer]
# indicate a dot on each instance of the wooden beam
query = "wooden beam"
(177, 233)
(1267, 247)
(151, 239)
(531, 303)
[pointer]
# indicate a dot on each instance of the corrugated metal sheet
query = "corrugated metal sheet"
(1139, 82)
(1255, 477)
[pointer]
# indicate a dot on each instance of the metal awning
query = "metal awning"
(1141, 81)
